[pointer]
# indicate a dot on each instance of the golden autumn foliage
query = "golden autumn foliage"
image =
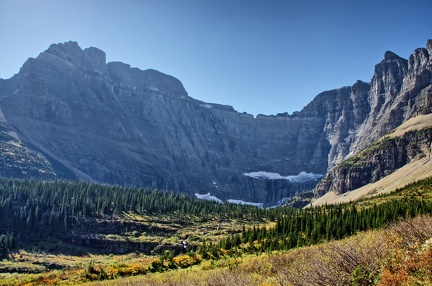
(398, 255)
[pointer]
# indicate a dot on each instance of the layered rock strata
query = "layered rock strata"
(111, 123)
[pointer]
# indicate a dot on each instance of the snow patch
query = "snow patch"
(300, 178)
(264, 175)
(208, 197)
(152, 88)
(240, 202)
(207, 105)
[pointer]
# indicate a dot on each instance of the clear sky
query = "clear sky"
(260, 56)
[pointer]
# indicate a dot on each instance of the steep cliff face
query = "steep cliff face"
(111, 123)
(341, 112)
(120, 125)
(399, 90)
(375, 162)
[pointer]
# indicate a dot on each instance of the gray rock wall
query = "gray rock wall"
(111, 123)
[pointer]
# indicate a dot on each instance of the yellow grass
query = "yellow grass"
(416, 123)
(401, 252)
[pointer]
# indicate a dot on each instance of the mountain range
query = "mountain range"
(68, 114)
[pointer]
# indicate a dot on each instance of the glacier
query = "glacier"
(300, 178)
(240, 202)
(208, 197)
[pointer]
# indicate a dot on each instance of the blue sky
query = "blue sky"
(260, 56)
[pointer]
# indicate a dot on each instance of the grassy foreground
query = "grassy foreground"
(398, 255)
(227, 245)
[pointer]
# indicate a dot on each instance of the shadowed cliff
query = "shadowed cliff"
(111, 123)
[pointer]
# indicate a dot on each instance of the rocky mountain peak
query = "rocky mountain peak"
(66, 47)
(400, 90)
(69, 55)
(139, 81)
(389, 56)
(389, 74)
(117, 124)
(97, 58)
(69, 52)
(429, 46)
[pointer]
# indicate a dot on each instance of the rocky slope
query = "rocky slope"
(397, 159)
(400, 90)
(21, 161)
(377, 161)
(111, 123)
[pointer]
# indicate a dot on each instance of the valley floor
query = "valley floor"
(398, 255)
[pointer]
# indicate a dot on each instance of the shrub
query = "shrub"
(184, 261)
(361, 276)
(411, 262)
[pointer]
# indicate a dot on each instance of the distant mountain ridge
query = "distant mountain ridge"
(110, 123)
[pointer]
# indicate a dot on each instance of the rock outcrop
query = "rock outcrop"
(110, 123)
(375, 162)
(400, 90)
(21, 161)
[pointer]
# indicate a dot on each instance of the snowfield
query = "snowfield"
(300, 178)
(208, 197)
(240, 202)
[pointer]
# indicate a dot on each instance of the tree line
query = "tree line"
(313, 225)
(45, 208)
(38, 209)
